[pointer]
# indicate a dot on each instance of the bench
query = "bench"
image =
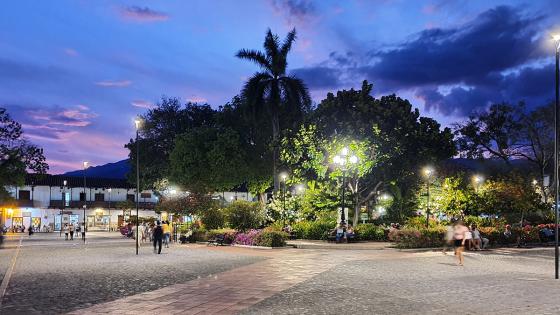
(217, 241)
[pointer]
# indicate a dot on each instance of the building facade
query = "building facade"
(48, 202)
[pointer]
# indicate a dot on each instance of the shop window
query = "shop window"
(145, 195)
(24, 195)
(99, 197)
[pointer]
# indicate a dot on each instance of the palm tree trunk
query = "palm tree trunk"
(275, 149)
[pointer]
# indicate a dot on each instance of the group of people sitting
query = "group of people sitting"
(473, 238)
(344, 233)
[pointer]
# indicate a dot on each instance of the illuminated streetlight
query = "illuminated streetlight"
(428, 172)
(342, 161)
(86, 165)
(137, 123)
(284, 175)
(556, 39)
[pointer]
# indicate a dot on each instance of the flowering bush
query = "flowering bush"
(247, 238)
(312, 230)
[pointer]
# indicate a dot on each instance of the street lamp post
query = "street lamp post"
(428, 171)
(109, 227)
(63, 204)
(343, 160)
(284, 176)
(137, 122)
(85, 200)
(556, 39)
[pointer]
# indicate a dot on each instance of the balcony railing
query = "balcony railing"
(57, 204)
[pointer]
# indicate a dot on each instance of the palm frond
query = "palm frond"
(256, 90)
(296, 93)
(287, 44)
(255, 56)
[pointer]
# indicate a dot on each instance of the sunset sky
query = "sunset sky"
(75, 73)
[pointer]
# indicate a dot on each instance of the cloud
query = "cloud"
(109, 83)
(294, 11)
(319, 77)
(71, 52)
(142, 104)
(145, 14)
(197, 99)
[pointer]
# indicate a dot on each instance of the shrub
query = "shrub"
(213, 218)
(312, 230)
(244, 215)
(419, 222)
(199, 235)
(370, 232)
(247, 238)
(418, 238)
(269, 238)
(229, 235)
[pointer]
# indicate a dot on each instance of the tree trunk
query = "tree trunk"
(356, 205)
(275, 149)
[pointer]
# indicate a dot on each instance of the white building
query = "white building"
(52, 200)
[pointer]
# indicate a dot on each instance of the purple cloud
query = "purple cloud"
(142, 104)
(109, 83)
(139, 14)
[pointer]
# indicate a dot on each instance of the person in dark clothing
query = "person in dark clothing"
(158, 237)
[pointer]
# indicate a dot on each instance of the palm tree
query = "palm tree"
(272, 89)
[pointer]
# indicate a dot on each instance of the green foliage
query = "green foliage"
(287, 210)
(370, 232)
(243, 215)
(212, 218)
(17, 155)
(418, 238)
(269, 238)
(312, 230)
(208, 160)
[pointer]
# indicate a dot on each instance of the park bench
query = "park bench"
(217, 241)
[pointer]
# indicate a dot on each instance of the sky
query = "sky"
(75, 73)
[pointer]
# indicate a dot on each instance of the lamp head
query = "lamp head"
(478, 179)
(86, 163)
(428, 171)
(299, 188)
(344, 151)
(283, 175)
(555, 37)
(64, 182)
(137, 123)
(353, 159)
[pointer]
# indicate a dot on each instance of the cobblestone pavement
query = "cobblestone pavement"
(503, 282)
(58, 279)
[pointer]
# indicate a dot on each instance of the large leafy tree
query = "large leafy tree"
(17, 155)
(272, 93)
(207, 160)
(160, 127)
(394, 140)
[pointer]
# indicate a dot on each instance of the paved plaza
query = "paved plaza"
(52, 276)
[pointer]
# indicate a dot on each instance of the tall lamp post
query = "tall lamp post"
(428, 172)
(109, 227)
(343, 160)
(137, 123)
(64, 183)
(556, 39)
(283, 176)
(85, 199)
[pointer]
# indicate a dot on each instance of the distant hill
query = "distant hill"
(117, 170)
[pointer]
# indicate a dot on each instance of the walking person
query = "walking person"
(83, 229)
(448, 238)
(166, 233)
(72, 228)
(459, 235)
(158, 236)
(65, 228)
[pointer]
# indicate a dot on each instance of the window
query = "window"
(145, 195)
(99, 197)
(130, 197)
(24, 195)
(66, 199)
(82, 196)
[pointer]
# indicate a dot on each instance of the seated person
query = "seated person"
(350, 233)
(476, 238)
(339, 233)
(468, 240)
(547, 234)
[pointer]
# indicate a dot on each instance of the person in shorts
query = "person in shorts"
(459, 236)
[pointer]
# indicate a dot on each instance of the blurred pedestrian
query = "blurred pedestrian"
(459, 233)
(166, 233)
(448, 238)
(65, 228)
(72, 228)
(83, 229)
(158, 236)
